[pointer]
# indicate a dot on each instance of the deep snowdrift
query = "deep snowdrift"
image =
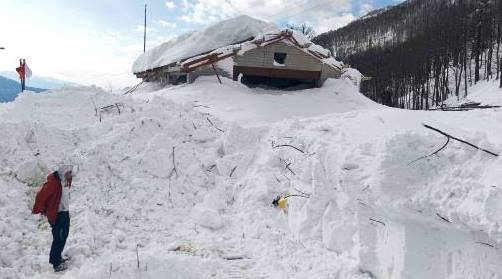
(370, 211)
(235, 102)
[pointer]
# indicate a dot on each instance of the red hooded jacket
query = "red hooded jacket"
(48, 198)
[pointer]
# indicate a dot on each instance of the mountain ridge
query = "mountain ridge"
(421, 52)
(9, 89)
(39, 81)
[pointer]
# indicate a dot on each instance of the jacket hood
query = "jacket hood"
(51, 178)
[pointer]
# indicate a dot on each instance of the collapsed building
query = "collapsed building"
(245, 47)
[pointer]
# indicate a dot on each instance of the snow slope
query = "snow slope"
(371, 212)
(236, 102)
(485, 92)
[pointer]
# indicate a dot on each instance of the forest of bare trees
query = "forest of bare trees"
(433, 50)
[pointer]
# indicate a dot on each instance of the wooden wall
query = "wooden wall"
(263, 57)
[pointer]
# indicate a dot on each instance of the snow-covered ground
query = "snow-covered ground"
(235, 102)
(371, 212)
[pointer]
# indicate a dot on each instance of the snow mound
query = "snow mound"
(221, 34)
(353, 75)
(235, 102)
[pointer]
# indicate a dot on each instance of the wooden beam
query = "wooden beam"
(206, 61)
(198, 60)
(269, 42)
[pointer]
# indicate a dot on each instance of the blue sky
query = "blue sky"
(96, 41)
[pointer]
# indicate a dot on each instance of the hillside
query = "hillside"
(422, 52)
(9, 89)
(180, 185)
(382, 27)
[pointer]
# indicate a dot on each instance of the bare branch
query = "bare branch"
(443, 218)
(233, 258)
(462, 141)
(133, 88)
(232, 171)
(294, 195)
(137, 255)
(287, 145)
(486, 244)
(380, 222)
(174, 170)
(301, 192)
(212, 124)
(433, 153)
(95, 108)
(289, 169)
(277, 179)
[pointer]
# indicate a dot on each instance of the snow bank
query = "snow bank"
(127, 197)
(353, 75)
(221, 34)
(250, 107)
(185, 176)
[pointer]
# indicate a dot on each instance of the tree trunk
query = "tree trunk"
(477, 54)
(498, 51)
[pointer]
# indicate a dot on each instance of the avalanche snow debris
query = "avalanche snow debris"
(123, 195)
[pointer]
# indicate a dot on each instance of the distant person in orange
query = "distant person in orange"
(53, 201)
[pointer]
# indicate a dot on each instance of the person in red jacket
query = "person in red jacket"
(53, 201)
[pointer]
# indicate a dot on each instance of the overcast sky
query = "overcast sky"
(96, 41)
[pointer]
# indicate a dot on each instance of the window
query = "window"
(279, 59)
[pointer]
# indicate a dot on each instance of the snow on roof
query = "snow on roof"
(287, 36)
(218, 35)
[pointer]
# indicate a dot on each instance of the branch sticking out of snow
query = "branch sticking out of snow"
(174, 170)
(462, 141)
(448, 140)
(287, 145)
(212, 124)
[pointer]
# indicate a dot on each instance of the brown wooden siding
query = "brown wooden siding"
(264, 57)
(329, 72)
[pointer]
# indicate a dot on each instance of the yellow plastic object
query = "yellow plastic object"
(283, 203)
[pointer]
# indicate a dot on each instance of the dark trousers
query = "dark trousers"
(60, 232)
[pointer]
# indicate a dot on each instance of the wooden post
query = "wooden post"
(24, 78)
(236, 73)
(216, 72)
(144, 34)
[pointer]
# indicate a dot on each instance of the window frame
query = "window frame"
(280, 56)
